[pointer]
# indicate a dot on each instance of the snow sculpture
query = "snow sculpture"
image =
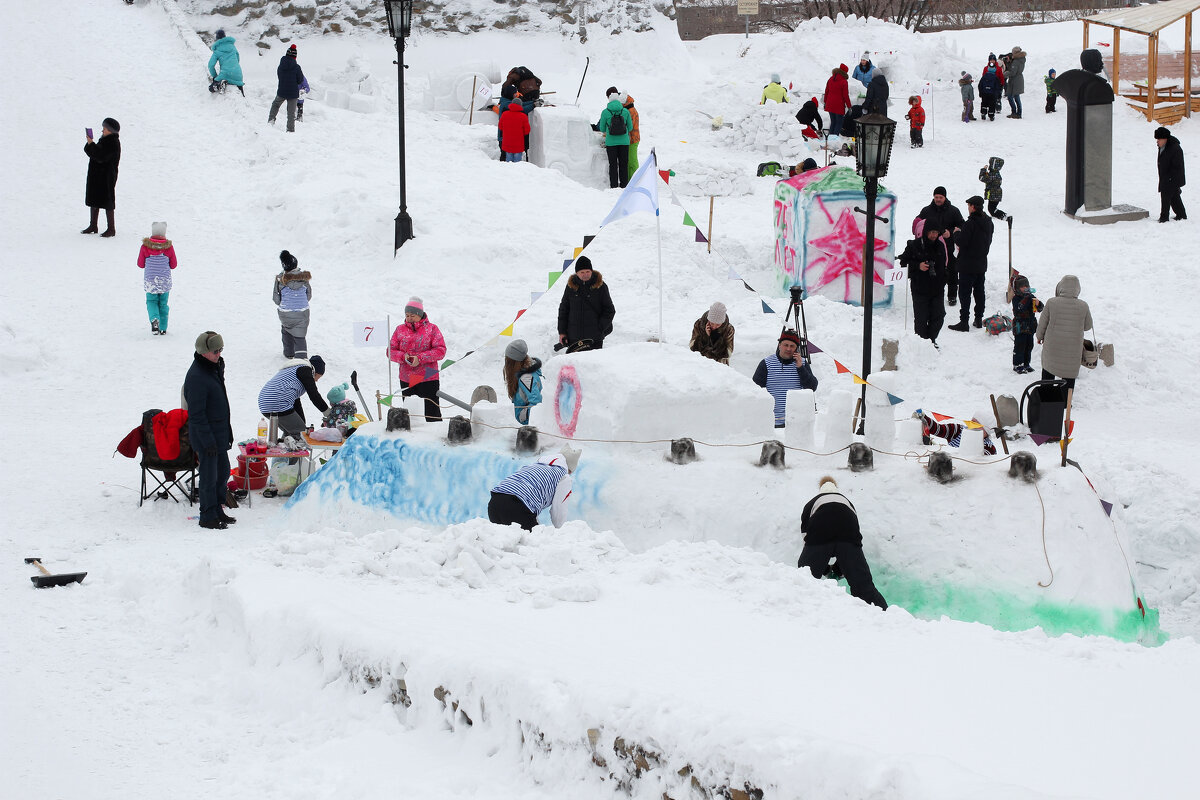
(351, 87)
(836, 420)
(451, 91)
(800, 419)
(819, 236)
(561, 138)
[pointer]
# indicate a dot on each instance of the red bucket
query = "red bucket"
(255, 472)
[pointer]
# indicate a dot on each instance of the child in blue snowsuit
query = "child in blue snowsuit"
(1025, 308)
(522, 379)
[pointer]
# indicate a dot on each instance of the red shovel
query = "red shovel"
(47, 578)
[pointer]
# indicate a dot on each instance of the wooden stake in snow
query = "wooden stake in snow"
(1066, 439)
(711, 198)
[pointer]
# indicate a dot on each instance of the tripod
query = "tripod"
(795, 314)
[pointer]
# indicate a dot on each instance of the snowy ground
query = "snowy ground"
(264, 661)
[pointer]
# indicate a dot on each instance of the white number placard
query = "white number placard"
(895, 275)
(371, 334)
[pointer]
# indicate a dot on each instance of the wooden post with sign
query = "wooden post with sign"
(747, 9)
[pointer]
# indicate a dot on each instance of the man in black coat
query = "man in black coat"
(209, 430)
(586, 311)
(1170, 175)
(947, 219)
(104, 157)
(925, 258)
(290, 78)
(830, 526)
(877, 94)
(974, 242)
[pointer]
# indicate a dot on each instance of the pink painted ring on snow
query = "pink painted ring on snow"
(568, 397)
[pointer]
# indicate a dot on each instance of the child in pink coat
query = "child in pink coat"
(157, 258)
(418, 347)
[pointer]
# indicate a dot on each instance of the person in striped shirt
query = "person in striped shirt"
(532, 489)
(280, 396)
(782, 372)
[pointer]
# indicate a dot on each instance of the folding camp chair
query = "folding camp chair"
(168, 476)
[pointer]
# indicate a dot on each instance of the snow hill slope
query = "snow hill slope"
(265, 661)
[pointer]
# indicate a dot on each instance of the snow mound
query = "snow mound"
(706, 180)
(772, 129)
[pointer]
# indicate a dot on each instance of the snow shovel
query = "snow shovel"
(48, 578)
(354, 383)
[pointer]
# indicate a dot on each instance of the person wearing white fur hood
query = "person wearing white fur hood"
(830, 526)
(532, 489)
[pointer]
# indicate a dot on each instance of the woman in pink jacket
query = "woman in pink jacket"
(418, 347)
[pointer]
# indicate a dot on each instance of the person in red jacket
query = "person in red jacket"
(514, 127)
(837, 98)
(916, 121)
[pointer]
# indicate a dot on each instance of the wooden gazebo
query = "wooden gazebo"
(1165, 104)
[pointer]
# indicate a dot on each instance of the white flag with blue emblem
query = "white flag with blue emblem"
(640, 195)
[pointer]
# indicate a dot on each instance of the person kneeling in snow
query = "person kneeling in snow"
(532, 489)
(780, 372)
(830, 526)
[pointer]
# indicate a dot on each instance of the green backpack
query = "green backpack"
(771, 168)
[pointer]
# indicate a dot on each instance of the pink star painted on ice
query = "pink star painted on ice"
(842, 253)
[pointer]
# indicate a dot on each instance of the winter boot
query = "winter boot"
(110, 214)
(961, 327)
(154, 326)
(299, 113)
(978, 323)
(95, 218)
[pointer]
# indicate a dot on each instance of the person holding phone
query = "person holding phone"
(104, 157)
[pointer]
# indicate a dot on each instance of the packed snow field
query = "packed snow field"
(662, 641)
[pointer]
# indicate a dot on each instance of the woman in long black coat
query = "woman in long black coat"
(103, 158)
(586, 311)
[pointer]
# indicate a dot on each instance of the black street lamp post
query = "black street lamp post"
(399, 19)
(872, 152)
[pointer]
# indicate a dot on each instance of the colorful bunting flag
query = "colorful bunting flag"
(588, 239)
(578, 250)
(507, 331)
(553, 277)
(857, 379)
(448, 362)
(700, 236)
(841, 369)
(972, 424)
(1107, 506)
(732, 275)
(1039, 439)
(892, 399)
(812, 348)
(939, 417)
(533, 297)
(749, 288)
(665, 174)
(387, 401)
(1070, 427)
(519, 313)
(687, 220)
(766, 308)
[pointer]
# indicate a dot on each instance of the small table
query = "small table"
(274, 451)
(317, 444)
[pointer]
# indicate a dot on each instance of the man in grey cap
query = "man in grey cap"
(209, 430)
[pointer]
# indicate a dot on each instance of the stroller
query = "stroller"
(167, 455)
(1043, 407)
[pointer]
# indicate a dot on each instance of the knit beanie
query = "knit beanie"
(220, 33)
(288, 261)
(111, 124)
(338, 393)
(158, 230)
(716, 313)
(775, 77)
(844, 68)
(1053, 72)
(790, 336)
(583, 262)
(318, 365)
(991, 56)
(517, 350)
(415, 306)
(209, 342)
(291, 51)
(866, 56)
(827, 485)
(1162, 133)
(940, 190)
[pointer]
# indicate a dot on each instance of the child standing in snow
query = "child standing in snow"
(1051, 95)
(513, 128)
(522, 379)
(993, 193)
(967, 89)
(157, 258)
(916, 121)
(292, 293)
(1025, 308)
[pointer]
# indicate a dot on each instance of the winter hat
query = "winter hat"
(814, 101)
(318, 365)
(338, 393)
(517, 350)
(844, 68)
(1053, 72)
(716, 313)
(866, 56)
(220, 33)
(623, 98)
(571, 456)
(288, 261)
(790, 336)
(209, 342)
(827, 485)
(1020, 282)
(975, 200)
(775, 77)
(158, 230)
(611, 91)
(1162, 133)
(583, 262)
(991, 56)
(291, 51)
(808, 164)
(415, 306)
(966, 76)
(111, 124)
(940, 190)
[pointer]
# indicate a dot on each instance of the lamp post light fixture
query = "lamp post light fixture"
(873, 150)
(399, 19)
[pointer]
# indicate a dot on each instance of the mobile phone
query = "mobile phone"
(89, 133)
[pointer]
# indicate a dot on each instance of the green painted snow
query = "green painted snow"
(1009, 612)
(837, 179)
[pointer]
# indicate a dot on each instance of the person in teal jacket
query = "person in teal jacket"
(225, 53)
(616, 125)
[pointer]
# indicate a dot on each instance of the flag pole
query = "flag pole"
(658, 230)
